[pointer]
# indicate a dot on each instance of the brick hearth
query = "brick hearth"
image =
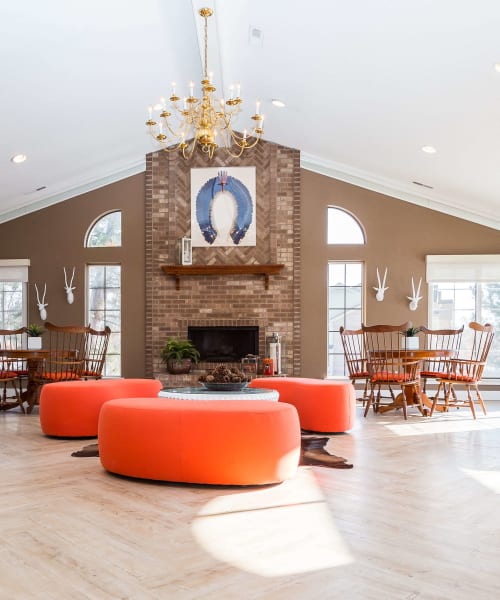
(223, 299)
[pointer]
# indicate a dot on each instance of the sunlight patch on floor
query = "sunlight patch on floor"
(489, 479)
(248, 529)
(450, 423)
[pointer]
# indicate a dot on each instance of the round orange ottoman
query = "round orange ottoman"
(222, 442)
(71, 408)
(323, 405)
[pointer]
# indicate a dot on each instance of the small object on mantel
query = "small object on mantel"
(179, 271)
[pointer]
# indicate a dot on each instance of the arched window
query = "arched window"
(106, 231)
(343, 228)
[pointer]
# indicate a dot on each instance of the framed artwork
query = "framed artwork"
(223, 207)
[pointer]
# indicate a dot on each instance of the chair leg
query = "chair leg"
(448, 392)
(471, 402)
(365, 392)
(436, 397)
(17, 392)
(480, 398)
(369, 400)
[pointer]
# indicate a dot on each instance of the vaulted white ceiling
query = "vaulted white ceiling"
(367, 84)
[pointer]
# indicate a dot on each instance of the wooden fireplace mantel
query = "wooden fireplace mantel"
(179, 271)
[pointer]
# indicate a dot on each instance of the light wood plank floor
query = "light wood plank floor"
(417, 518)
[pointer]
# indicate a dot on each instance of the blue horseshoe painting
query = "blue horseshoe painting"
(223, 206)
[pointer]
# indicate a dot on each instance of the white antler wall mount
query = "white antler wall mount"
(416, 297)
(69, 289)
(380, 289)
(41, 303)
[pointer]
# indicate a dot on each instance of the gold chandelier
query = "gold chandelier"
(205, 123)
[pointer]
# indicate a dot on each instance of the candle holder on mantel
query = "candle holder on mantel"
(275, 349)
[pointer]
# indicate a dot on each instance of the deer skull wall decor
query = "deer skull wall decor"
(68, 288)
(41, 305)
(414, 299)
(380, 289)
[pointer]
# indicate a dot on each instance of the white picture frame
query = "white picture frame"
(223, 207)
(185, 251)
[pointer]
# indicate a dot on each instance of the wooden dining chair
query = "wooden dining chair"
(354, 353)
(15, 339)
(96, 346)
(467, 372)
(389, 366)
(9, 379)
(439, 339)
(66, 354)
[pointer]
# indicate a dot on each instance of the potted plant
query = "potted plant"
(179, 355)
(411, 341)
(34, 336)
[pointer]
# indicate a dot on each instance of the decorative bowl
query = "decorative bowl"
(224, 387)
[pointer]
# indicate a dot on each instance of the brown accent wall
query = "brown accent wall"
(53, 238)
(224, 300)
(398, 235)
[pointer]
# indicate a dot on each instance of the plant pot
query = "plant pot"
(34, 343)
(411, 343)
(179, 367)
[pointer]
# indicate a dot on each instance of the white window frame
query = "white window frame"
(87, 309)
(350, 218)
(17, 270)
(455, 269)
(338, 349)
(94, 224)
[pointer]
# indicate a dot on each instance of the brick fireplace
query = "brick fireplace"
(224, 299)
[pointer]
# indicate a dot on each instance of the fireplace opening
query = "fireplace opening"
(224, 344)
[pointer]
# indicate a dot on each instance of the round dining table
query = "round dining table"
(414, 394)
(33, 359)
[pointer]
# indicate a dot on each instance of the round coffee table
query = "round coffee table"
(199, 393)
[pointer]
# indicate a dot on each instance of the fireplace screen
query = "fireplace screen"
(224, 344)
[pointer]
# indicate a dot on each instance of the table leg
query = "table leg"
(413, 396)
(30, 395)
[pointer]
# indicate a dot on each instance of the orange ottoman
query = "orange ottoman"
(71, 408)
(222, 442)
(323, 405)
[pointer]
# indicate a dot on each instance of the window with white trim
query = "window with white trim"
(465, 288)
(104, 308)
(345, 308)
(13, 293)
(106, 231)
(343, 228)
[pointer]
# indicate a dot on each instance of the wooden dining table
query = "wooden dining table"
(33, 359)
(414, 393)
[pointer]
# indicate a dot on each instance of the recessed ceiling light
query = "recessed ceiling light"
(496, 66)
(18, 158)
(429, 149)
(278, 103)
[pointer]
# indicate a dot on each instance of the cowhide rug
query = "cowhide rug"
(90, 450)
(312, 453)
